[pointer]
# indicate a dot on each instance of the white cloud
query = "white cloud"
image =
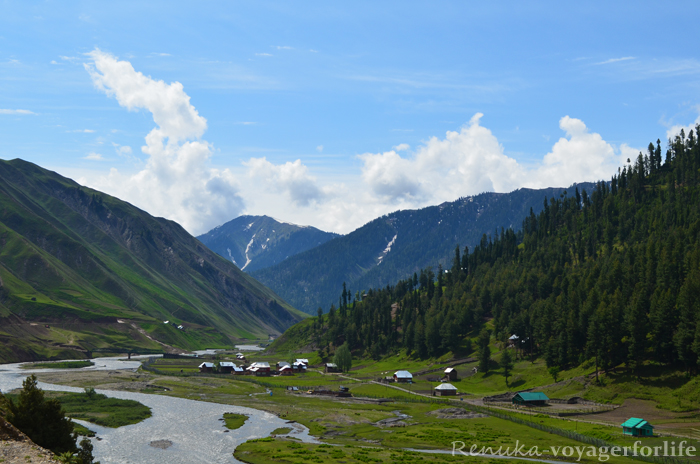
(319, 148)
(472, 161)
(291, 178)
(464, 162)
(284, 47)
(263, 54)
(676, 128)
(83, 131)
(176, 181)
(616, 60)
(92, 156)
(7, 111)
(581, 156)
(122, 150)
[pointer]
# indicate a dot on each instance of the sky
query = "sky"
(331, 114)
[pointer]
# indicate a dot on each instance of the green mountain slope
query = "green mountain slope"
(256, 242)
(395, 246)
(607, 279)
(100, 272)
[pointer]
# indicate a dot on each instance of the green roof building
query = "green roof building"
(530, 398)
(637, 427)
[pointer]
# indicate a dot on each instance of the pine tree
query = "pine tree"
(484, 350)
(43, 421)
(506, 363)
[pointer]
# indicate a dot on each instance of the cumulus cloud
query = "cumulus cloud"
(92, 156)
(471, 160)
(402, 147)
(291, 178)
(177, 181)
(580, 156)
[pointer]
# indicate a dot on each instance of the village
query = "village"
(299, 377)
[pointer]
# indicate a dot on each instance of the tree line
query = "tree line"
(611, 275)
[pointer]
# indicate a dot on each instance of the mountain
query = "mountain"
(395, 246)
(81, 270)
(600, 280)
(256, 242)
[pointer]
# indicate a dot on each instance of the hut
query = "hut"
(331, 367)
(451, 373)
(226, 367)
(445, 389)
(238, 371)
(530, 399)
(286, 370)
(282, 364)
(206, 367)
(304, 361)
(637, 427)
(299, 367)
(259, 368)
(403, 377)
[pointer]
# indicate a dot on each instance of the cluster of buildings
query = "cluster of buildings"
(258, 368)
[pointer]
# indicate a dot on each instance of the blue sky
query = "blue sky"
(332, 114)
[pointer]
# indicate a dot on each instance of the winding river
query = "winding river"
(193, 427)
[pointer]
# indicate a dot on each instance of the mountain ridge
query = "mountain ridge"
(71, 256)
(419, 238)
(255, 242)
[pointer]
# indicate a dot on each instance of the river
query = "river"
(193, 427)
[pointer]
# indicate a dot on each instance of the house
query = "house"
(286, 370)
(240, 356)
(299, 367)
(206, 367)
(259, 368)
(451, 373)
(445, 389)
(303, 361)
(637, 427)
(226, 367)
(282, 364)
(403, 377)
(530, 399)
(238, 371)
(331, 367)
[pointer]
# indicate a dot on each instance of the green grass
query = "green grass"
(101, 410)
(281, 431)
(59, 365)
(234, 421)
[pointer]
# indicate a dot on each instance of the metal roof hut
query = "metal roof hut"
(206, 367)
(226, 367)
(403, 376)
(446, 389)
(637, 427)
(451, 373)
(530, 399)
(331, 367)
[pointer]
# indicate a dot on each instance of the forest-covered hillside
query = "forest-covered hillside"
(397, 245)
(612, 276)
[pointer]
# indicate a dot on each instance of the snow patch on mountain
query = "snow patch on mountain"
(231, 256)
(247, 249)
(387, 249)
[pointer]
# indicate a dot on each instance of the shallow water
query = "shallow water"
(194, 428)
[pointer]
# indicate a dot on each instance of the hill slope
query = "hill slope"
(395, 246)
(256, 242)
(80, 269)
